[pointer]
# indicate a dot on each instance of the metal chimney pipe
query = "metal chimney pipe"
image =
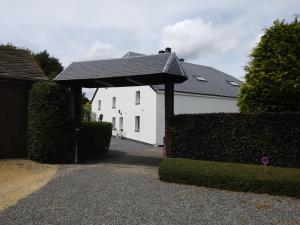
(168, 50)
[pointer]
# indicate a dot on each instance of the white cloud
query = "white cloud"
(100, 50)
(192, 38)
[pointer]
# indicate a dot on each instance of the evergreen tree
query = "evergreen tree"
(272, 81)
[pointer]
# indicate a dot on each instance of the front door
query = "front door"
(121, 131)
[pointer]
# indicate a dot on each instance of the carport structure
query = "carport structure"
(163, 68)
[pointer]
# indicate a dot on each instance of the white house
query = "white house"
(138, 112)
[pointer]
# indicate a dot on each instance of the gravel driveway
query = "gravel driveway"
(117, 191)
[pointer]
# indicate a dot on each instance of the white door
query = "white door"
(121, 131)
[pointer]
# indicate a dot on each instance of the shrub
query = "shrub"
(50, 127)
(232, 176)
(238, 137)
(94, 139)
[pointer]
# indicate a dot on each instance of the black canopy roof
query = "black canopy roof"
(126, 71)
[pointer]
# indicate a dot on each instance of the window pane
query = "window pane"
(137, 97)
(137, 123)
(99, 104)
(114, 122)
(114, 102)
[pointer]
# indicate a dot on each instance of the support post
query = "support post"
(76, 114)
(75, 104)
(169, 113)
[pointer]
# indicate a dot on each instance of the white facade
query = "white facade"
(150, 110)
(127, 109)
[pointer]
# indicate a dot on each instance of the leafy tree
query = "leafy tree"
(86, 111)
(86, 107)
(272, 81)
(49, 64)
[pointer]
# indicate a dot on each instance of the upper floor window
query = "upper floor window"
(99, 104)
(137, 97)
(114, 101)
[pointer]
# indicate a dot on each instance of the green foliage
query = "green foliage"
(94, 140)
(238, 137)
(49, 64)
(273, 73)
(232, 176)
(86, 111)
(50, 126)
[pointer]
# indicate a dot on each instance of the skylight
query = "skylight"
(233, 83)
(200, 78)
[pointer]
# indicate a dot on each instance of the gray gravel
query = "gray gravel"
(114, 192)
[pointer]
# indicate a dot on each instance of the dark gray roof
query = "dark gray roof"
(217, 82)
(160, 67)
(19, 64)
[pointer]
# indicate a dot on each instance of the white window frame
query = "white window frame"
(114, 102)
(137, 125)
(138, 97)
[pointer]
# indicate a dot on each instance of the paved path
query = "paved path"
(118, 192)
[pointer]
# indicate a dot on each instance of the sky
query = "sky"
(216, 33)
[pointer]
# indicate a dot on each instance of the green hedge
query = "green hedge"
(232, 176)
(238, 137)
(94, 139)
(50, 127)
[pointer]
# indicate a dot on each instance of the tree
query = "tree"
(86, 107)
(272, 81)
(49, 64)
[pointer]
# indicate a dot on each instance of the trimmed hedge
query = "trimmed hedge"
(94, 139)
(238, 137)
(232, 176)
(50, 126)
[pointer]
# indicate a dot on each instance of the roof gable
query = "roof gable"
(19, 64)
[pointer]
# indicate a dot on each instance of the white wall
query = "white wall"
(125, 102)
(190, 103)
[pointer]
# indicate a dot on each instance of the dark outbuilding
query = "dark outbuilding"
(18, 70)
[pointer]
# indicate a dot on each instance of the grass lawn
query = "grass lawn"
(19, 178)
(232, 176)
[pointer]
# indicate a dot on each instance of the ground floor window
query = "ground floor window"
(137, 124)
(113, 121)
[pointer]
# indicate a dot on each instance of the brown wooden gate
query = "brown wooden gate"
(13, 122)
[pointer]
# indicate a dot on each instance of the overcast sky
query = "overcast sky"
(212, 33)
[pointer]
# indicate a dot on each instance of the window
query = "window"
(114, 100)
(137, 97)
(137, 124)
(99, 104)
(233, 83)
(113, 123)
(201, 78)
